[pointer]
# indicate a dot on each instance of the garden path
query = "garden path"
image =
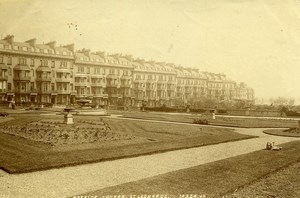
(70, 181)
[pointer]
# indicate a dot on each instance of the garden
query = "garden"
(30, 142)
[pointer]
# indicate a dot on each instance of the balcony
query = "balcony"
(63, 91)
(113, 85)
(127, 95)
(3, 90)
(82, 84)
(44, 91)
(98, 84)
(20, 91)
(115, 95)
(112, 76)
(63, 70)
(139, 80)
(99, 95)
(22, 78)
(3, 78)
(161, 88)
(126, 77)
(44, 79)
(66, 80)
(126, 85)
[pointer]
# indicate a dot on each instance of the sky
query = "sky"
(254, 41)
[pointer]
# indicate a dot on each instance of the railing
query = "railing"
(44, 79)
(3, 77)
(81, 84)
(22, 78)
(63, 91)
(98, 84)
(115, 95)
(63, 80)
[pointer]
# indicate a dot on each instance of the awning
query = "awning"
(43, 68)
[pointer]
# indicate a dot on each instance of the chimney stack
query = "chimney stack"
(31, 42)
(9, 38)
(70, 47)
(51, 44)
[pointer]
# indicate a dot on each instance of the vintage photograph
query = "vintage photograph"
(149, 98)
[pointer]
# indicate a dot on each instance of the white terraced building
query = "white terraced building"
(47, 73)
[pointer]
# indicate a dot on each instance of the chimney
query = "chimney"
(31, 42)
(51, 44)
(102, 54)
(9, 38)
(86, 52)
(140, 60)
(70, 47)
(128, 57)
(116, 55)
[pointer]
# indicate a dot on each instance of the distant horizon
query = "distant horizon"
(256, 42)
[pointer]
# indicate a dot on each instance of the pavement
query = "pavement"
(71, 181)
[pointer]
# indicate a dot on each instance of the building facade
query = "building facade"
(47, 73)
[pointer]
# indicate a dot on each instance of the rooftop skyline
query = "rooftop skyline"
(252, 41)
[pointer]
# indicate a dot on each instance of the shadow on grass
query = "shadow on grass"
(214, 179)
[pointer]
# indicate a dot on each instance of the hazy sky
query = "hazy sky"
(255, 41)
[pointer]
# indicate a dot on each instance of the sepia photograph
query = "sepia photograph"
(149, 98)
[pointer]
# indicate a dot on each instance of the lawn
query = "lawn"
(292, 132)
(18, 154)
(264, 172)
(249, 122)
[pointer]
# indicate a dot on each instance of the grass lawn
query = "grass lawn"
(284, 132)
(220, 121)
(284, 183)
(224, 177)
(22, 155)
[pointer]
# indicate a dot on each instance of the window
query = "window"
(32, 62)
(45, 87)
(9, 86)
(1, 59)
(6, 47)
(63, 64)
(32, 86)
(88, 70)
(9, 60)
(44, 62)
(80, 69)
(53, 64)
(22, 61)
(32, 72)
(52, 87)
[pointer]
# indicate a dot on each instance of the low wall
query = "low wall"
(254, 113)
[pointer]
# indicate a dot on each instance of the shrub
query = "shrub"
(200, 121)
(4, 114)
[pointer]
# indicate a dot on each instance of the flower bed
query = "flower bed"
(54, 132)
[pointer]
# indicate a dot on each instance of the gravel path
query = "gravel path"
(69, 181)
